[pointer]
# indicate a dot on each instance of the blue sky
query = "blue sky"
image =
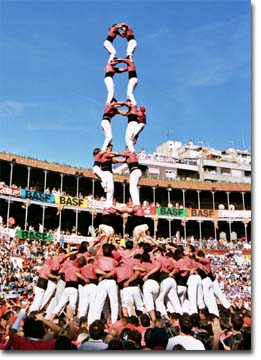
(193, 61)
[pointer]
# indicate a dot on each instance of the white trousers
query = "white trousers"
(49, 292)
(70, 295)
(107, 287)
(99, 173)
(151, 290)
(135, 176)
(38, 298)
(110, 184)
(109, 83)
(133, 295)
(106, 126)
(195, 293)
(131, 47)
(55, 299)
(209, 296)
(130, 89)
(110, 48)
(128, 135)
(138, 130)
(87, 294)
(168, 292)
(220, 295)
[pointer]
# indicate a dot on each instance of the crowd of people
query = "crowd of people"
(141, 295)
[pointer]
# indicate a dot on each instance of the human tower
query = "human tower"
(104, 156)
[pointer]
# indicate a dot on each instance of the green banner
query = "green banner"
(33, 235)
(164, 211)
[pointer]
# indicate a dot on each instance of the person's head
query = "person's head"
(81, 261)
(237, 321)
(192, 249)
(115, 344)
(135, 337)
(185, 324)
(145, 320)
(83, 321)
(63, 343)
(129, 245)
(83, 247)
(92, 251)
(133, 320)
(96, 329)
(142, 109)
(109, 147)
(145, 257)
(147, 247)
(114, 333)
(158, 253)
(195, 319)
(201, 253)
(178, 254)
(96, 151)
(174, 318)
(72, 257)
(125, 333)
(178, 347)
(33, 328)
(107, 250)
(159, 337)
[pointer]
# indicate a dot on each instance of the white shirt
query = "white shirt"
(188, 342)
(92, 344)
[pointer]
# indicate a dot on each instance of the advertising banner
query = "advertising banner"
(71, 201)
(38, 196)
(9, 190)
(34, 235)
(164, 211)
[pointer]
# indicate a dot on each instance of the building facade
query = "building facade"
(197, 192)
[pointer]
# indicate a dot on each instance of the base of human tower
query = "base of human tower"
(136, 226)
